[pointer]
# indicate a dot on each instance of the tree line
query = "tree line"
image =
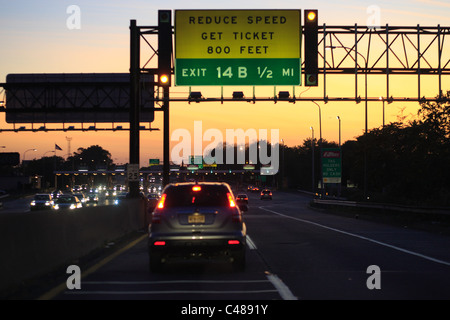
(406, 161)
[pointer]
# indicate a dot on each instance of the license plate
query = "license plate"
(196, 218)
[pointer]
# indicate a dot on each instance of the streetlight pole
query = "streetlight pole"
(366, 102)
(282, 164)
(382, 99)
(25, 152)
(340, 154)
(312, 151)
(322, 186)
(339, 118)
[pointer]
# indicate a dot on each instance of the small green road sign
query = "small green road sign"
(331, 165)
(153, 162)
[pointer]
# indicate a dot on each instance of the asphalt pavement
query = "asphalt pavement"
(294, 253)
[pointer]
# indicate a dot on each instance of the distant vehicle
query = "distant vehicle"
(55, 194)
(110, 193)
(242, 198)
(197, 220)
(119, 197)
(92, 197)
(81, 197)
(266, 194)
(67, 202)
(255, 189)
(42, 201)
(242, 201)
(152, 201)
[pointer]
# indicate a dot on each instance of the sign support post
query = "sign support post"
(134, 104)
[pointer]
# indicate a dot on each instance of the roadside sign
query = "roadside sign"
(237, 47)
(153, 162)
(331, 165)
(133, 172)
(196, 160)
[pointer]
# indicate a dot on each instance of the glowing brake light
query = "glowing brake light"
(161, 201)
(231, 200)
(233, 242)
(159, 243)
(196, 188)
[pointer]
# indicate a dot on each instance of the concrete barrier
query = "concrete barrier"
(33, 244)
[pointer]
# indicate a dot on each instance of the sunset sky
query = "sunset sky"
(35, 38)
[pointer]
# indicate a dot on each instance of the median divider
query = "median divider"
(36, 243)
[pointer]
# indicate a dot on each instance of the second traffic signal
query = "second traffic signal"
(164, 47)
(311, 32)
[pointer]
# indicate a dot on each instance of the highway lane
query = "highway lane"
(295, 253)
(22, 205)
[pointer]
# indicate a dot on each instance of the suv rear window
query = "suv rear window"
(208, 196)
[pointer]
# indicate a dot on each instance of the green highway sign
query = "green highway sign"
(237, 47)
(331, 165)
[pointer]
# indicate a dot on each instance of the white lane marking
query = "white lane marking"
(172, 282)
(167, 292)
(251, 245)
(282, 289)
(361, 237)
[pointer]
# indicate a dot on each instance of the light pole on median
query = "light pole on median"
(320, 149)
(340, 154)
(366, 101)
(25, 152)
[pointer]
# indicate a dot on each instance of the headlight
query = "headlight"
(48, 203)
(33, 203)
(72, 206)
(56, 207)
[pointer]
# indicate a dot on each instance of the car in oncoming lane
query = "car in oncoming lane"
(196, 220)
(67, 201)
(41, 201)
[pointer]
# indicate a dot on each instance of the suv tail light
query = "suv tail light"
(156, 215)
(231, 200)
(160, 204)
(236, 215)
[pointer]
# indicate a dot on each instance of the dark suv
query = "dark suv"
(196, 220)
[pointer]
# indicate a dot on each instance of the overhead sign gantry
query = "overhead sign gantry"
(237, 47)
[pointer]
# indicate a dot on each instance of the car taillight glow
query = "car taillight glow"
(231, 200)
(196, 188)
(159, 243)
(161, 201)
(233, 242)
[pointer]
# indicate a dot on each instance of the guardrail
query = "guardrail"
(384, 206)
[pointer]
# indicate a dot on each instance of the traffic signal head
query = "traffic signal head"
(164, 79)
(164, 47)
(310, 32)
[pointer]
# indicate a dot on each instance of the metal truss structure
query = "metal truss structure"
(388, 51)
(359, 51)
